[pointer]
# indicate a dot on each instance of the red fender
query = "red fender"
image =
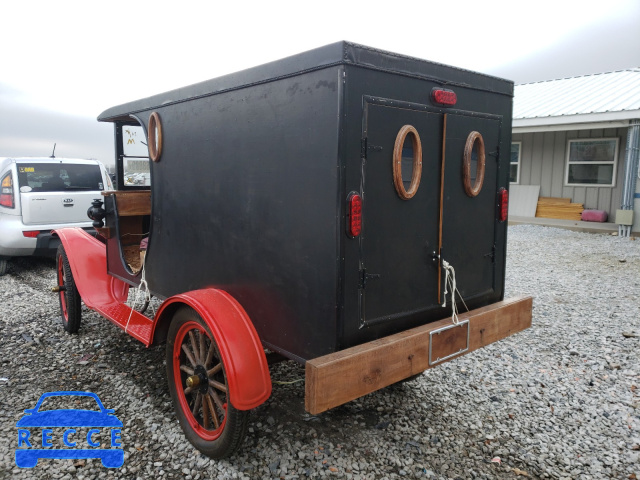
(100, 291)
(88, 260)
(240, 347)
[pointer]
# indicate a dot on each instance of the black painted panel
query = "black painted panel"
(244, 199)
(400, 236)
(249, 194)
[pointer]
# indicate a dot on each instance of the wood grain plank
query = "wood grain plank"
(343, 376)
(553, 200)
(131, 204)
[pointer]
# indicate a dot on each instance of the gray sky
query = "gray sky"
(64, 62)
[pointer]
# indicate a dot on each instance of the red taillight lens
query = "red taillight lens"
(445, 97)
(354, 214)
(31, 233)
(503, 204)
(6, 197)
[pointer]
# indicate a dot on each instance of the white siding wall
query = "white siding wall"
(543, 162)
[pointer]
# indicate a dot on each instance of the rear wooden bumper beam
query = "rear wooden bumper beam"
(343, 376)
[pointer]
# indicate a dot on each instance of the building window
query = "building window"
(514, 167)
(592, 162)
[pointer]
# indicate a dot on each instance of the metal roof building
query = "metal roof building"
(554, 119)
(604, 97)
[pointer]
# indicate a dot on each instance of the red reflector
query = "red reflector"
(442, 96)
(503, 204)
(31, 233)
(354, 215)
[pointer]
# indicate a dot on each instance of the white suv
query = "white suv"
(41, 194)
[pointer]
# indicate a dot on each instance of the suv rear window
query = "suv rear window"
(44, 177)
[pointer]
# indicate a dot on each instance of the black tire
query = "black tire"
(70, 302)
(229, 427)
(3, 266)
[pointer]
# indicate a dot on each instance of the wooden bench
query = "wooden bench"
(131, 203)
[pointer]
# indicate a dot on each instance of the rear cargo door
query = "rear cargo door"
(57, 192)
(469, 215)
(399, 277)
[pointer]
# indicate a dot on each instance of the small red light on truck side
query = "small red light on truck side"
(503, 204)
(6, 196)
(444, 97)
(31, 233)
(354, 214)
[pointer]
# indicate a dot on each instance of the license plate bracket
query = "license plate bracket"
(448, 342)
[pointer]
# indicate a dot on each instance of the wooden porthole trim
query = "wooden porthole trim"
(155, 137)
(397, 162)
(474, 138)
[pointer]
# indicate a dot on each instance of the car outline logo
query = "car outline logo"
(67, 200)
(69, 418)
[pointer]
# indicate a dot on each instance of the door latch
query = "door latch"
(365, 277)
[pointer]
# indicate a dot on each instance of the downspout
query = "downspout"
(632, 158)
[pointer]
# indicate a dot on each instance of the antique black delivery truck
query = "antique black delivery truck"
(345, 208)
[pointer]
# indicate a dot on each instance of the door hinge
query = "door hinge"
(492, 254)
(365, 277)
(364, 146)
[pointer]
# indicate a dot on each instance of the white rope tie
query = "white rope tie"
(142, 288)
(450, 285)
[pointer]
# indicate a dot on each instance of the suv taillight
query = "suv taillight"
(6, 197)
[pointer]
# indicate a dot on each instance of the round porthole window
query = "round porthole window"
(407, 162)
(473, 164)
(155, 137)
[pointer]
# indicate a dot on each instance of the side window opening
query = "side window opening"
(132, 197)
(133, 167)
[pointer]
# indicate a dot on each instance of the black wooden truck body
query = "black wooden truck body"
(277, 186)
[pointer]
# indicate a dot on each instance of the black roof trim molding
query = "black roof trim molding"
(340, 53)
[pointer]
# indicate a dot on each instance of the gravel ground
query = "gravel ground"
(560, 400)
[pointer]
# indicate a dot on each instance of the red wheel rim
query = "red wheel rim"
(61, 283)
(204, 404)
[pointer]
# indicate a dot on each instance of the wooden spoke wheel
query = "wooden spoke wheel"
(198, 385)
(70, 302)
